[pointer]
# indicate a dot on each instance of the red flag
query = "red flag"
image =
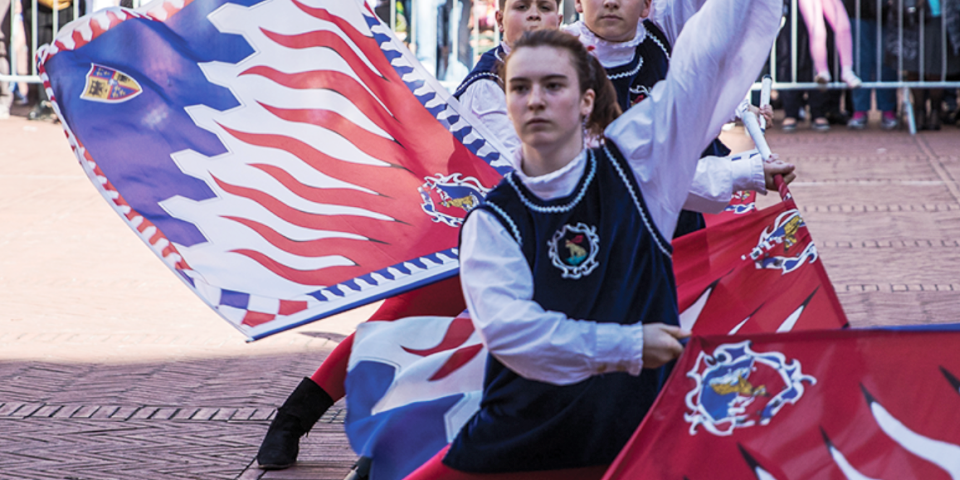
(754, 272)
(839, 404)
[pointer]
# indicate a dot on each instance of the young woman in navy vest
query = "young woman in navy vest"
(566, 267)
(482, 94)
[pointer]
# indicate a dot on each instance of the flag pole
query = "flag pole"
(755, 127)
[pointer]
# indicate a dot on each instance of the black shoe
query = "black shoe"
(837, 118)
(42, 111)
(294, 419)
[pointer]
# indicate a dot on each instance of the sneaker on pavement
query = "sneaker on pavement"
(889, 120)
(821, 126)
(858, 121)
(4, 113)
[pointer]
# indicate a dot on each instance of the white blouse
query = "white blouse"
(710, 73)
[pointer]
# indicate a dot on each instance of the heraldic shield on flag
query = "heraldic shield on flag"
(109, 86)
(287, 159)
(830, 404)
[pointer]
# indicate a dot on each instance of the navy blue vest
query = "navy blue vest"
(488, 67)
(634, 80)
(594, 255)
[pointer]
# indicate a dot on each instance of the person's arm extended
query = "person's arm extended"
(712, 68)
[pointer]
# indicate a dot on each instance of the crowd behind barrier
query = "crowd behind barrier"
(905, 52)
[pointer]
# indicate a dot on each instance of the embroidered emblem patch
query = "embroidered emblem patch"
(109, 86)
(573, 249)
(775, 249)
(639, 93)
(448, 198)
(738, 388)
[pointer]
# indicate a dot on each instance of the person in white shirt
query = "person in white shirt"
(566, 267)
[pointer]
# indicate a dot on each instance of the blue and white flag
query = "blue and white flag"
(287, 159)
(411, 385)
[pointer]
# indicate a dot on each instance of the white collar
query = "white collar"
(502, 57)
(610, 54)
(556, 184)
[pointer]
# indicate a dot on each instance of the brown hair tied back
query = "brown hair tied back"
(590, 75)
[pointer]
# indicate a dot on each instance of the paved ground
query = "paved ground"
(111, 369)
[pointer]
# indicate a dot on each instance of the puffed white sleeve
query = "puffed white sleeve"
(537, 344)
(717, 178)
(712, 68)
(486, 100)
(672, 15)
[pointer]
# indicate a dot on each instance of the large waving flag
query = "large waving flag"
(288, 159)
(754, 271)
(840, 404)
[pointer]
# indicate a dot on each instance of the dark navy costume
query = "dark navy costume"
(625, 276)
(634, 81)
(651, 60)
(487, 68)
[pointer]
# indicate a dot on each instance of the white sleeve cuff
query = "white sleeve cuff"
(619, 348)
(748, 174)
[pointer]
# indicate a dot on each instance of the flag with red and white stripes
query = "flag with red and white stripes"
(287, 159)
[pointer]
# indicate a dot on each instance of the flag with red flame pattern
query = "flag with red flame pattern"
(754, 272)
(287, 159)
(829, 404)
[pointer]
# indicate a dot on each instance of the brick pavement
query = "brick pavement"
(110, 368)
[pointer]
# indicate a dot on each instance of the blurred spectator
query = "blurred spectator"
(928, 16)
(814, 12)
(951, 114)
(44, 15)
(402, 17)
(867, 63)
(793, 100)
(453, 27)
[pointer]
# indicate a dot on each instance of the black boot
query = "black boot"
(295, 418)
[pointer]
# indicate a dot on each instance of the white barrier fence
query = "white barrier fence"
(890, 20)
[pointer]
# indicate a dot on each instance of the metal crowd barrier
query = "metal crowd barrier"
(30, 76)
(790, 83)
(903, 85)
(13, 54)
